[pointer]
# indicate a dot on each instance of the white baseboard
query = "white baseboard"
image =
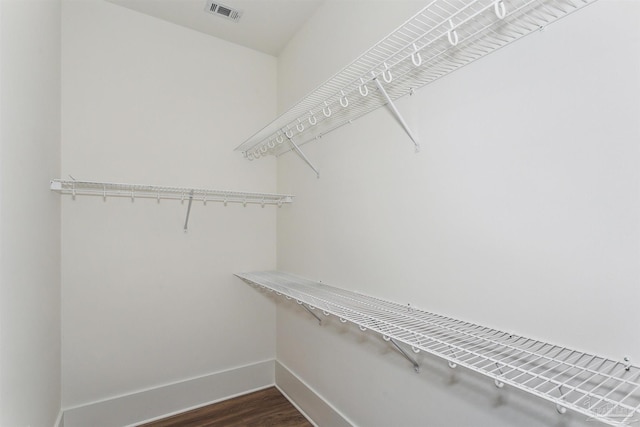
(156, 403)
(160, 402)
(59, 419)
(307, 400)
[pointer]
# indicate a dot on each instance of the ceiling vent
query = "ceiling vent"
(223, 11)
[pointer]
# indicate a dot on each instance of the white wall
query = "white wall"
(337, 33)
(29, 212)
(145, 304)
(521, 213)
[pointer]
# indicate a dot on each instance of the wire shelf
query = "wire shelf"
(109, 189)
(442, 37)
(600, 388)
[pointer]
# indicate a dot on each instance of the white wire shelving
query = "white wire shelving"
(602, 389)
(133, 191)
(110, 189)
(442, 37)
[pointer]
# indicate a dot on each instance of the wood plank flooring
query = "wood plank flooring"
(262, 408)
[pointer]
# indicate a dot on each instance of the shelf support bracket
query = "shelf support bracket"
(186, 221)
(396, 113)
(312, 313)
(302, 156)
(416, 366)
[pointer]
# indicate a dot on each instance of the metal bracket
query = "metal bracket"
(186, 221)
(312, 313)
(396, 113)
(416, 366)
(302, 156)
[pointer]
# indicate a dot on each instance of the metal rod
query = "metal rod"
(303, 157)
(312, 313)
(413, 361)
(186, 221)
(396, 113)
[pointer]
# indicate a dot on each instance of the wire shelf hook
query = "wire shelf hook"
(386, 74)
(363, 89)
(415, 56)
(300, 126)
(271, 143)
(279, 139)
(312, 119)
(452, 34)
(500, 9)
(288, 133)
(326, 110)
(344, 101)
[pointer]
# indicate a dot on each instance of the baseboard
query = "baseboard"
(59, 419)
(156, 403)
(307, 400)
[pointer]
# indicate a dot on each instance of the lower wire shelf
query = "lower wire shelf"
(600, 388)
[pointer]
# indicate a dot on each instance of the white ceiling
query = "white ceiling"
(265, 26)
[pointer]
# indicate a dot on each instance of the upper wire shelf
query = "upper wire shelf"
(600, 388)
(109, 189)
(442, 37)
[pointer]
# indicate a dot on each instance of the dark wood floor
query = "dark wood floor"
(259, 409)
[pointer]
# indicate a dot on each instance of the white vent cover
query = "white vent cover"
(223, 11)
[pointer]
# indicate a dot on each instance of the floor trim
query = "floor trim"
(311, 404)
(167, 400)
(59, 419)
(295, 405)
